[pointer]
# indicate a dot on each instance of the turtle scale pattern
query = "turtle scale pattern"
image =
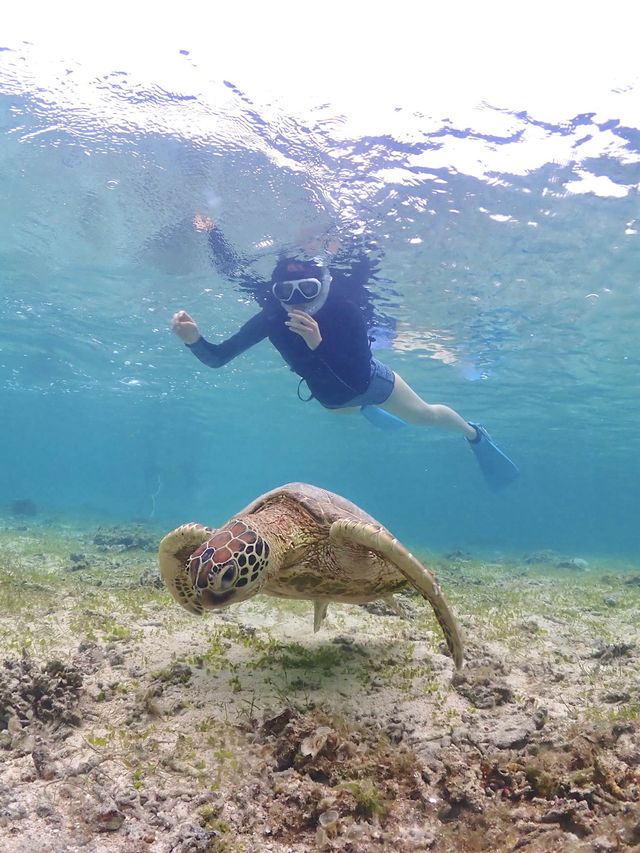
(229, 560)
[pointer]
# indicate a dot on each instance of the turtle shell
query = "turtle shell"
(326, 507)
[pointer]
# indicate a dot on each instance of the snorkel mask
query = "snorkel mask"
(301, 283)
(296, 290)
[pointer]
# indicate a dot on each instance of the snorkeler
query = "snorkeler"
(323, 338)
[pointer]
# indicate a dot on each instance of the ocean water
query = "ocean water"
(507, 242)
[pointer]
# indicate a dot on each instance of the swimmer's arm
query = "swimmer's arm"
(226, 260)
(217, 355)
(223, 256)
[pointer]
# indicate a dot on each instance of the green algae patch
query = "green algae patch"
(54, 587)
(92, 625)
(511, 603)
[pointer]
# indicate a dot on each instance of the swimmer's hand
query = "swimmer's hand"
(305, 326)
(185, 327)
(203, 223)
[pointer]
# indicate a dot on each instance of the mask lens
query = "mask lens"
(309, 288)
(283, 290)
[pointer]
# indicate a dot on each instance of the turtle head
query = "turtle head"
(229, 567)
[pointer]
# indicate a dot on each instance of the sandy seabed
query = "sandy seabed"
(126, 724)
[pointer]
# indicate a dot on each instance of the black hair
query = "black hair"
(291, 268)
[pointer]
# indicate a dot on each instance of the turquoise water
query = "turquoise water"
(508, 245)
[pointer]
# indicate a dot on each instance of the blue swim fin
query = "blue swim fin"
(383, 420)
(497, 468)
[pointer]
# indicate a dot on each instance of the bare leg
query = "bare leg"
(406, 404)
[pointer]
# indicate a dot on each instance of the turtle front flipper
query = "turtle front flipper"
(173, 555)
(378, 540)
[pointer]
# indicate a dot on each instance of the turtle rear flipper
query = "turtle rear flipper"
(319, 612)
(378, 540)
(173, 554)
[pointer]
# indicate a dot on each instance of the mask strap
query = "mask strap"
(300, 397)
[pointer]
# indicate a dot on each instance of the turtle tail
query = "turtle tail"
(379, 540)
(173, 555)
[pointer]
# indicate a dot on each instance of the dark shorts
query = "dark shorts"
(380, 387)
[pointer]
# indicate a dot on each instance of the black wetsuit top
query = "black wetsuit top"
(338, 370)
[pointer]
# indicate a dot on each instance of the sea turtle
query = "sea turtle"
(297, 541)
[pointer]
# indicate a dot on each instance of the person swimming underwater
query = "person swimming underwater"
(324, 339)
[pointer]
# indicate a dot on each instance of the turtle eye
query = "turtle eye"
(228, 577)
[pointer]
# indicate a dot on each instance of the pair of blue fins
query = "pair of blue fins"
(498, 470)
